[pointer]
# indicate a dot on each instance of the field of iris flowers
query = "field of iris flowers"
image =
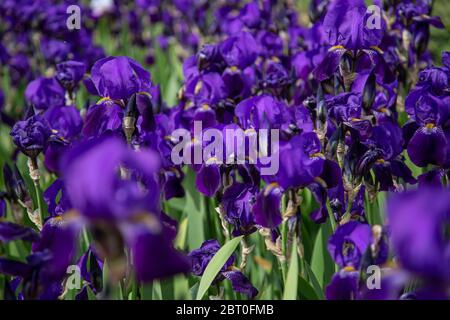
(347, 198)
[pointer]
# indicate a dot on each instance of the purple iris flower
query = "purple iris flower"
(240, 283)
(70, 73)
(66, 125)
(44, 93)
(125, 209)
(208, 179)
(300, 161)
(31, 136)
(57, 198)
(65, 121)
(207, 88)
(428, 106)
(237, 201)
(419, 229)
(103, 117)
(240, 50)
(19, 69)
(202, 256)
(346, 24)
(41, 275)
(251, 15)
(55, 50)
(343, 285)
(102, 159)
(119, 77)
(11, 231)
(261, 112)
(428, 145)
(267, 208)
(349, 243)
(91, 267)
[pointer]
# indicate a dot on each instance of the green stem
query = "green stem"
(38, 189)
(35, 176)
(284, 238)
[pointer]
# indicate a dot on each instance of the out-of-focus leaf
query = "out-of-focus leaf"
(147, 291)
(216, 263)
(167, 289)
(321, 263)
(194, 210)
(313, 280)
(306, 290)
(291, 288)
(180, 241)
(181, 287)
(193, 291)
(157, 293)
(91, 294)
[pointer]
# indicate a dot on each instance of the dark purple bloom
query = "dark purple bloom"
(103, 117)
(417, 223)
(122, 210)
(428, 144)
(240, 50)
(65, 121)
(251, 14)
(172, 183)
(349, 243)
(237, 201)
(154, 257)
(15, 185)
(119, 77)
(42, 273)
(11, 231)
(240, 283)
(300, 161)
(208, 57)
(267, 208)
(208, 179)
(94, 186)
(202, 256)
(271, 44)
(70, 73)
(206, 88)
(432, 178)
(346, 24)
(19, 69)
(343, 285)
(44, 93)
(58, 238)
(319, 215)
(57, 198)
(31, 135)
(55, 50)
(261, 112)
(2, 207)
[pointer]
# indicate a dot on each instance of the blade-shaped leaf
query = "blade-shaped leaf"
(290, 290)
(306, 290)
(313, 281)
(216, 263)
(321, 263)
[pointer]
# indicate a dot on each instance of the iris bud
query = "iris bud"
(421, 38)
(346, 66)
(14, 183)
(321, 122)
(369, 93)
(129, 120)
